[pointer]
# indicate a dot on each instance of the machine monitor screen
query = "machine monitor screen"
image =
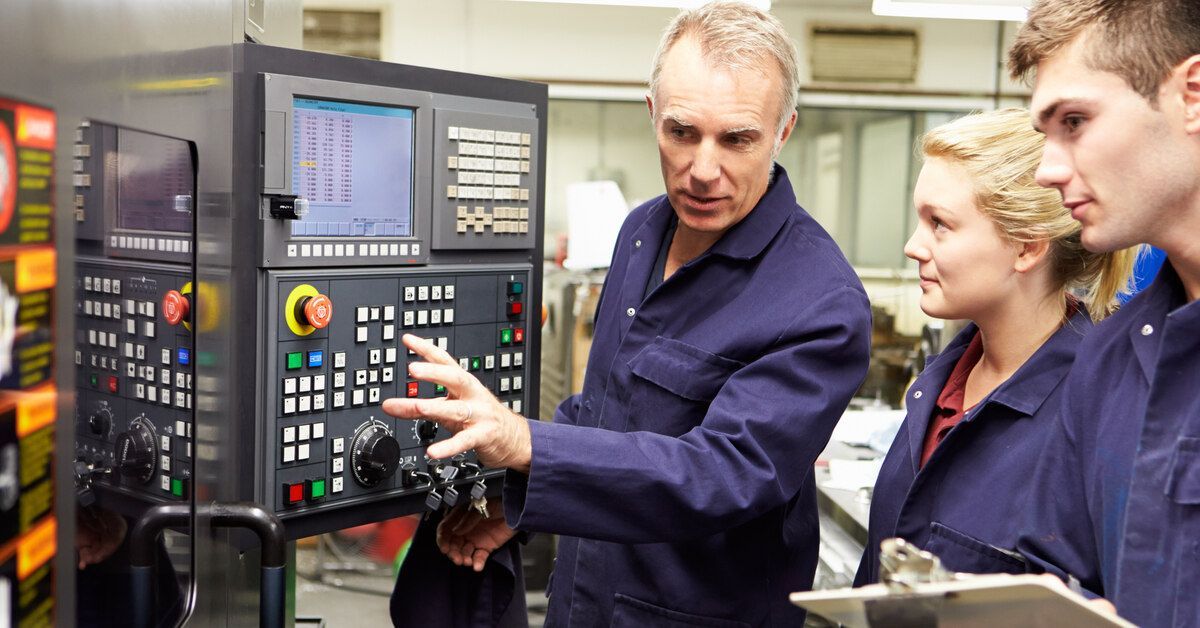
(353, 163)
(155, 182)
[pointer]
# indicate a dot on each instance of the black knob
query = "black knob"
(100, 421)
(408, 474)
(426, 431)
(136, 453)
(374, 456)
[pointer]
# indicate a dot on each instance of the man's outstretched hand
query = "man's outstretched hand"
(499, 436)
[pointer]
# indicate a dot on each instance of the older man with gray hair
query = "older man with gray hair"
(730, 336)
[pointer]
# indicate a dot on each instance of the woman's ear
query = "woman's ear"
(1031, 255)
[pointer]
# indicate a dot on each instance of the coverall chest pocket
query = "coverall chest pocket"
(1183, 485)
(673, 385)
(965, 553)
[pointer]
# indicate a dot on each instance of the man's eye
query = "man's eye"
(678, 132)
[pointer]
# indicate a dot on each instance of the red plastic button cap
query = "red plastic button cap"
(175, 307)
(112, 384)
(318, 311)
(295, 493)
(515, 309)
(518, 336)
(412, 389)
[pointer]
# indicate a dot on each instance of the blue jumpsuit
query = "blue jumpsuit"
(681, 477)
(1118, 484)
(969, 503)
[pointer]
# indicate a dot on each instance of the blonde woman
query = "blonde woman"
(995, 248)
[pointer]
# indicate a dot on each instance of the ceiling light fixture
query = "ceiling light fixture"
(765, 5)
(998, 10)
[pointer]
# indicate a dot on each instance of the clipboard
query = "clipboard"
(970, 602)
(917, 592)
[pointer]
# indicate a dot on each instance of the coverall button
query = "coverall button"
(1147, 330)
(630, 312)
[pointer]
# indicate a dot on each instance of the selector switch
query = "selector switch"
(426, 431)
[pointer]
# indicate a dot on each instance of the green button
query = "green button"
(318, 489)
(177, 487)
(476, 363)
(441, 390)
(506, 336)
(95, 380)
(516, 287)
(295, 360)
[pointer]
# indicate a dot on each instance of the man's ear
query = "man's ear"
(1030, 255)
(650, 107)
(1190, 70)
(785, 134)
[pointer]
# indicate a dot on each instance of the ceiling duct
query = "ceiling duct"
(863, 55)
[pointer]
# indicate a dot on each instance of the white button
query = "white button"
(388, 374)
(518, 359)
(336, 485)
(516, 406)
(339, 445)
(389, 313)
(394, 250)
(362, 250)
(289, 434)
(150, 309)
(464, 363)
(164, 442)
(410, 294)
(166, 356)
(1147, 330)
(360, 334)
(305, 403)
(373, 397)
(303, 432)
(339, 360)
(375, 314)
(374, 356)
(374, 376)
(443, 343)
(141, 391)
(305, 384)
(404, 249)
(338, 464)
(422, 293)
(180, 428)
(339, 380)
(339, 399)
(435, 293)
(318, 402)
(448, 292)
(356, 398)
(389, 332)
(917, 395)
(409, 319)
(328, 250)
(289, 453)
(302, 451)
(339, 250)
(630, 312)
(166, 483)
(416, 249)
(360, 377)
(180, 380)
(318, 430)
(448, 316)
(435, 317)
(517, 383)
(422, 317)
(505, 360)
(318, 382)
(289, 386)
(151, 394)
(504, 384)
(360, 314)
(165, 377)
(289, 405)
(489, 362)
(305, 250)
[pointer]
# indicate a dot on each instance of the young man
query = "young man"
(729, 339)
(1117, 94)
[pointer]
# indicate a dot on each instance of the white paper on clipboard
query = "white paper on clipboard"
(973, 602)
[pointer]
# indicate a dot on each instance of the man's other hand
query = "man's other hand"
(98, 533)
(467, 538)
(477, 419)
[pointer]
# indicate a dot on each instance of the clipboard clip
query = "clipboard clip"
(903, 565)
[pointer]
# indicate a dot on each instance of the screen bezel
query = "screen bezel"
(275, 167)
(116, 186)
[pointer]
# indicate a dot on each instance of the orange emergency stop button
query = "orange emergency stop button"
(175, 307)
(317, 311)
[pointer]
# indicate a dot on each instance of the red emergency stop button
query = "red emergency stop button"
(515, 309)
(175, 307)
(317, 311)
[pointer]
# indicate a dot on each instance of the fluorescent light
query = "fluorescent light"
(1000, 10)
(765, 5)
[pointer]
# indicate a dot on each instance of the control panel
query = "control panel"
(338, 356)
(133, 293)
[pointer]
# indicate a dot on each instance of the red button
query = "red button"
(518, 335)
(515, 309)
(175, 307)
(412, 389)
(318, 311)
(295, 493)
(112, 384)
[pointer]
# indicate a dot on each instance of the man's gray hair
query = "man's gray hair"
(736, 36)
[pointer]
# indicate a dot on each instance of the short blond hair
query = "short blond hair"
(1001, 151)
(1139, 40)
(736, 36)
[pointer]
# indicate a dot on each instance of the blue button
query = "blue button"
(316, 359)
(184, 356)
